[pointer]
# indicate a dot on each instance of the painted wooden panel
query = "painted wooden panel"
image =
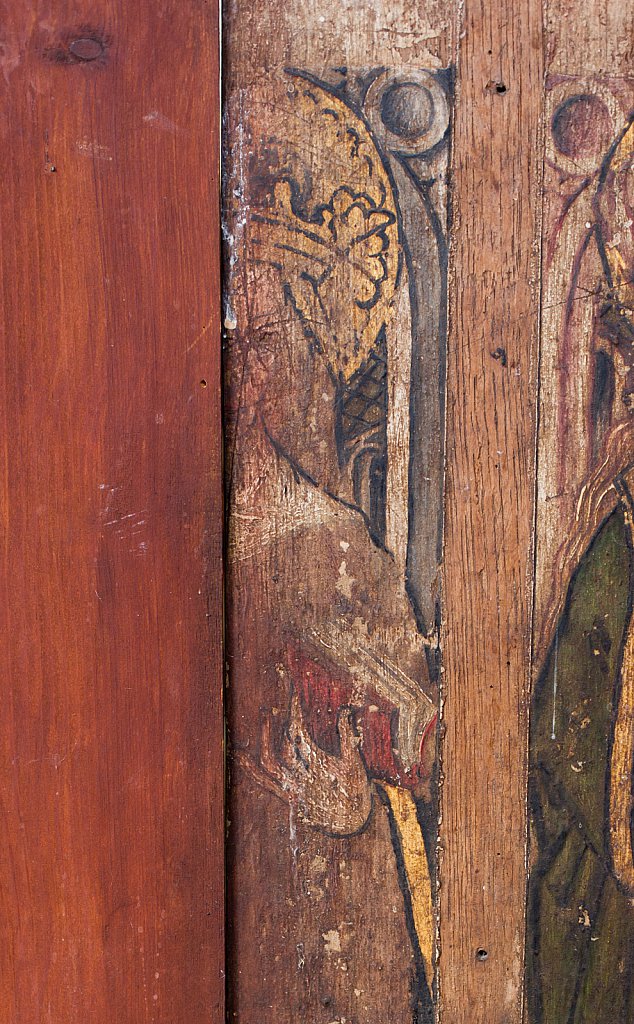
(428, 414)
(580, 934)
(336, 332)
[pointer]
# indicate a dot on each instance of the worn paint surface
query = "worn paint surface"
(580, 936)
(336, 379)
(382, 577)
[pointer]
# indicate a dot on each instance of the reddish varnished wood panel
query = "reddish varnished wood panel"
(110, 732)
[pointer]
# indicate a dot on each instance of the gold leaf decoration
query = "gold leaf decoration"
(331, 228)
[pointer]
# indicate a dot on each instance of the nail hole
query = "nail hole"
(481, 954)
(500, 88)
(203, 383)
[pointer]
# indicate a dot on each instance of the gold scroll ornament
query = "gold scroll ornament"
(622, 755)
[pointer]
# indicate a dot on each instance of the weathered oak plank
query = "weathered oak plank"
(491, 382)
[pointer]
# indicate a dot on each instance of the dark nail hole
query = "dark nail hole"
(86, 49)
(203, 383)
(500, 88)
(481, 954)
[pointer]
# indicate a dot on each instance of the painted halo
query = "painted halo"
(585, 117)
(408, 111)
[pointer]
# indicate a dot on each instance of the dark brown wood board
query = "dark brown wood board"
(111, 734)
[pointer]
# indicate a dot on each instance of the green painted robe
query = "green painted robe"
(580, 933)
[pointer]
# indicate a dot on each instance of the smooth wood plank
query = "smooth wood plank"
(111, 732)
(491, 382)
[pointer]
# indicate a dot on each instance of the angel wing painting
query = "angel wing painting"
(335, 378)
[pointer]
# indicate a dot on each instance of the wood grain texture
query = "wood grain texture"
(111, 730)
(491, 380)
(585, 38)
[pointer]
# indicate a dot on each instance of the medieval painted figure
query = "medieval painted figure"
(580, 948)
(335, 386)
